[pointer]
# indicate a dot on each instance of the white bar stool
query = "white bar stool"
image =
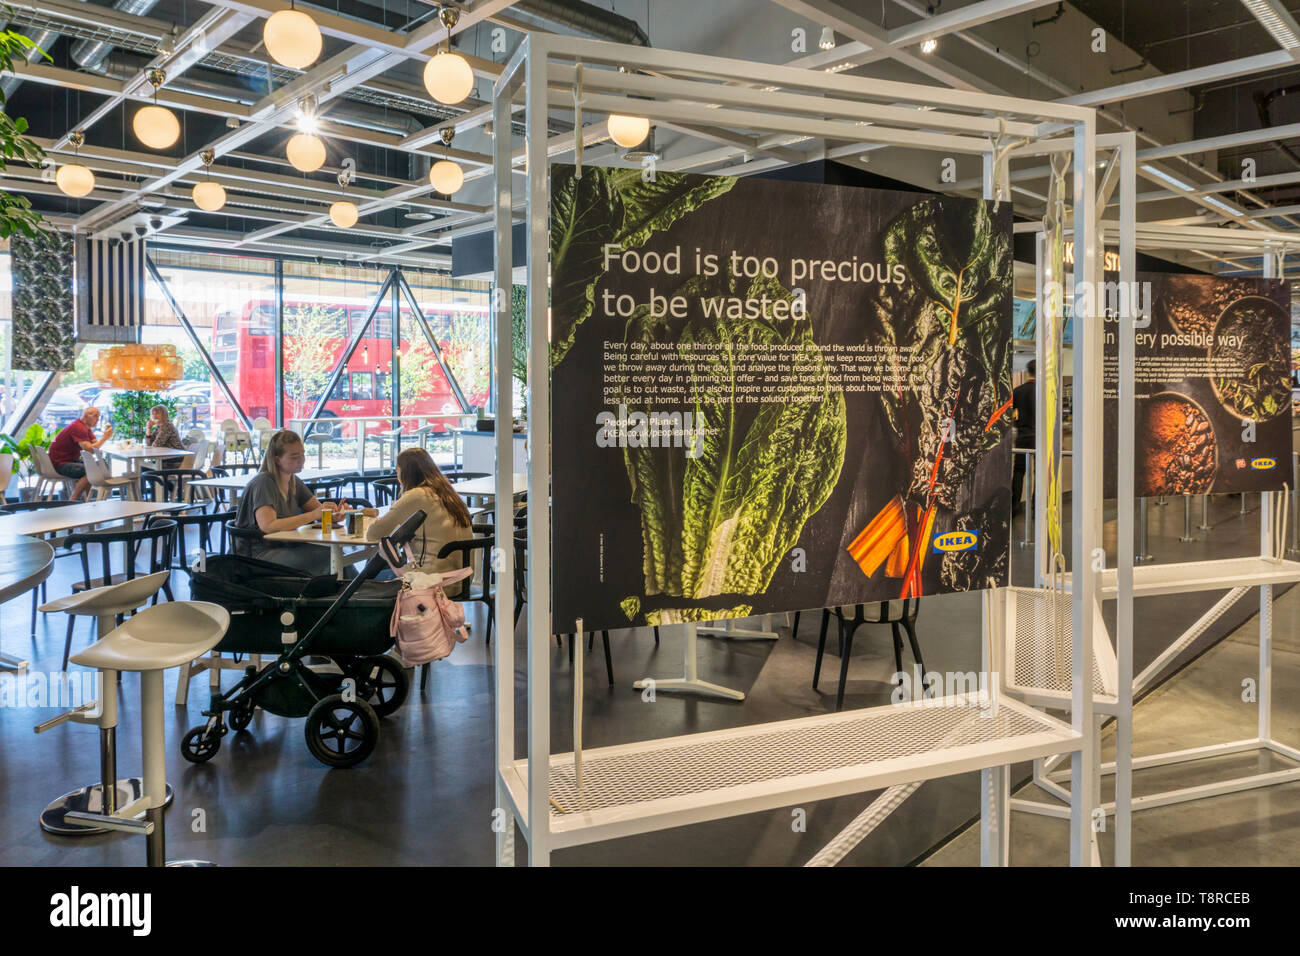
(103, 604)
(159, 637)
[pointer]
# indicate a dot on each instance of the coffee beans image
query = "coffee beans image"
(1181, 453)
(1192, 304)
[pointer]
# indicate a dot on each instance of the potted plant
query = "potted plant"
(130, 412)
(36, 436)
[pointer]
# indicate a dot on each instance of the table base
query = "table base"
(88, 800)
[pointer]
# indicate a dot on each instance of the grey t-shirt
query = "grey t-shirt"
(263, 493)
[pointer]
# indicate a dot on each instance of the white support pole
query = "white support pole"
(1268, 547)
(1036, 508)
(539, 454)
(1125, 491)
(1086, 496)
(504, 559)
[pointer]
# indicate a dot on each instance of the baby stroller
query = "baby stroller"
(269, 604)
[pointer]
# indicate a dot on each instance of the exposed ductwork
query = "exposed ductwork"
(42, 39)
(583, 18)
(91, 54)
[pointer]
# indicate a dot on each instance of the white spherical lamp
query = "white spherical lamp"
(343, 214)
(446, 176)
(448, 78)
(156, 126)
(74, 179)
(305, 152)
(292, 38)
(628, 131)
(209, 196)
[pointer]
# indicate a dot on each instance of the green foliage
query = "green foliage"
(36, 436)
(519, 333)
(721, 522)
(16, 214)
(130, 412)
(311, 334)
(608, 206)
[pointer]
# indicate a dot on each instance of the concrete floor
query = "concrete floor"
(425, 796)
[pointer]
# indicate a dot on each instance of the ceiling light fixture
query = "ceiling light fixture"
(209, 196)
(344, 213)
(305, 152)
(1275, 18)
(446, 176)
(827, 42)
(929, 44)
(447, 75)
(74, 179)
(292, 38)
(156, 126)
(308, 121)
(627, 131)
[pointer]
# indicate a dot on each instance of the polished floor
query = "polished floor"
(425, 796)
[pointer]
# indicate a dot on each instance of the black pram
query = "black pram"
(346, 621)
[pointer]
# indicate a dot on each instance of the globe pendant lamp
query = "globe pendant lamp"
(447, 76)
(209, 196)
(156, 126)
(446, 176)
(292, 38)
(305, 152)
(628, 131)
(74, 179)
(343, 213)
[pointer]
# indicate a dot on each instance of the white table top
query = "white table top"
(49, 520)
(337, 536)
(240, 482)
(487, 487)
(143, 451)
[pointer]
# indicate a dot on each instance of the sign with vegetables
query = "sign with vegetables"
(1213, 386)
(772, 396)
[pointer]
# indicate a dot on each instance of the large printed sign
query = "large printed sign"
(772, 396)
(1213, 386)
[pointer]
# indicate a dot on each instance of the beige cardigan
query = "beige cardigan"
(438, 529)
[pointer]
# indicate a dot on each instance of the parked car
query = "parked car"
(64, 406)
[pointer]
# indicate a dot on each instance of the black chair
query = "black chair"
(387, 489)
(203, 520)
(355, 502)
(455, 475)
(157, 535)
(234, 468)
(906, 619)
(170, 480)
(241, 540)
(472, 591)
(521, 598)
(326, 489)
(56, 542)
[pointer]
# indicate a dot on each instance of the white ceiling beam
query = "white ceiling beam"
(1274, 17)
(1185, 79)
(962, 19)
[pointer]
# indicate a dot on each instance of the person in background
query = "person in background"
(277, 500)
(161, 433)
(77, 436)
(446, 519)
(1022, 400)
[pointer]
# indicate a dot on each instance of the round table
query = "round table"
(24, 563)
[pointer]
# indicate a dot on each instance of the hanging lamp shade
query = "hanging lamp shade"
(292, 38)
(156, 126)
(446, 176)
(448, 78)
(74, 179)
(209, 196)
(138, 367)
(628, 131)
(343, 214)
(305, 152)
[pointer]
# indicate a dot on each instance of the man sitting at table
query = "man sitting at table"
(76, 437)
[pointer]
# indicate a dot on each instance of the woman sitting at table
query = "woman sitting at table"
(161, 433)
(446, 519)
(277, 500)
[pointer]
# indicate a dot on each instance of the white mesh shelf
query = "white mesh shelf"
(1155, 579)
(653, 785)
(1040, 649)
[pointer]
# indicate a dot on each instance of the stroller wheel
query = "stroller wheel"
(198, 746)
(383, 683)
(341, 733)
(242, 715)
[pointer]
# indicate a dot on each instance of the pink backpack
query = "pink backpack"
(427, 624)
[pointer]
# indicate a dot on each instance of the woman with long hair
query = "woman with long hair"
(277, 500)
(446, 519)
(159, 432)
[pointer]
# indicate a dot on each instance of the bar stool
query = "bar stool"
(159, 637)
(103, 604)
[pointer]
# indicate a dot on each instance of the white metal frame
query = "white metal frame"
(703, 87)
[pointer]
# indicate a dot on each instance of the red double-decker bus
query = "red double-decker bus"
(316, 335)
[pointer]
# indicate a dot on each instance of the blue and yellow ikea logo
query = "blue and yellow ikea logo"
(1263, 464)
(957, 541)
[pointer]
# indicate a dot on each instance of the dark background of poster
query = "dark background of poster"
(1273, 438)
(590, 491)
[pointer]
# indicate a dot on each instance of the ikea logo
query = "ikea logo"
(957, 541)
(1263, 464)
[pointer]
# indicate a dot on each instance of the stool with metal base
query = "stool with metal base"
(103, 604)
(159, 637)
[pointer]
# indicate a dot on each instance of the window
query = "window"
(363, 386)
